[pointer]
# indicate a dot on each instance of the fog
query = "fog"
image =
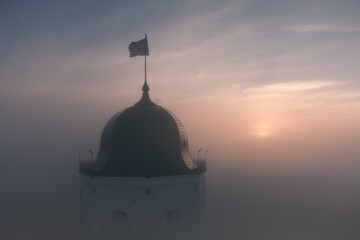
(304, 187)
(279, 114)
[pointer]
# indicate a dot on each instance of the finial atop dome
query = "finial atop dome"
(145, 99)
(145, 87)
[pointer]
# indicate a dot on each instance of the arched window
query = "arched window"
(120, 217)
(173, 216)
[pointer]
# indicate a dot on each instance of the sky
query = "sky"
(270, 87)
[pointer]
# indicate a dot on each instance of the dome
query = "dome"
(143, 140)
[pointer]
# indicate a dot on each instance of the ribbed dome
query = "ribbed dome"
(144, 140)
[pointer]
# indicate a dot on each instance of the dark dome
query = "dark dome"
(144, 140)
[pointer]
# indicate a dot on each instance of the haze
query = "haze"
(270, 87)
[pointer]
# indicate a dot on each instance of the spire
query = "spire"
(145, 87)
(145, 99)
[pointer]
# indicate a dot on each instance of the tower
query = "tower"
(143, 184)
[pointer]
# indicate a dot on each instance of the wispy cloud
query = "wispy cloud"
(285, 87)
(302, 94)
(323, 28)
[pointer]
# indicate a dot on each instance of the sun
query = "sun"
(262, 133)
(263, 130)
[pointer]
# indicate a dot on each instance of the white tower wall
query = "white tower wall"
(142, 208)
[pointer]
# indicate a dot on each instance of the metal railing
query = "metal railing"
(87, 165)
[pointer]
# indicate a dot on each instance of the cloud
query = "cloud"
(310, 95)
(323, 28)
(286, 87)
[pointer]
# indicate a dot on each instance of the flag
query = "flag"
(140, 48)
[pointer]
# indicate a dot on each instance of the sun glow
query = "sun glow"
(263, 130)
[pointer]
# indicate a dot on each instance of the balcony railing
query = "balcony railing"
(87, 165)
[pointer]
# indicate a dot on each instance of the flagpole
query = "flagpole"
(145, 59)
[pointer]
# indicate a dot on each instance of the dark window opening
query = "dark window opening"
(173, 216)
(120, 217)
